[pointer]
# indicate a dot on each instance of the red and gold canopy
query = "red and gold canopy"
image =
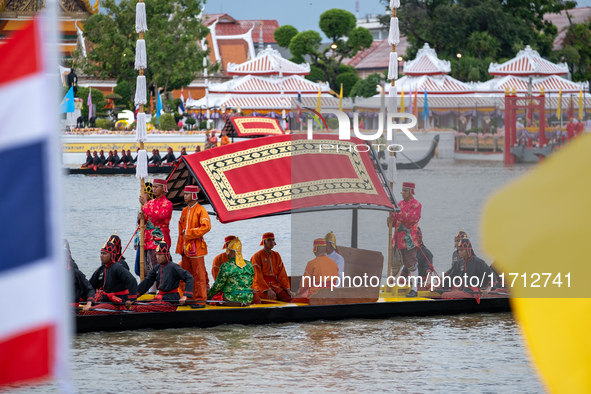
(280, 174)
(254, 126)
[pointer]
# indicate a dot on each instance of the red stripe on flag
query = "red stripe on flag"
(28, 356)
(20, 54)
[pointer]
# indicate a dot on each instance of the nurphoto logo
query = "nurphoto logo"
(345, 129)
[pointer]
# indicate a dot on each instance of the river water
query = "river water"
(482, 353)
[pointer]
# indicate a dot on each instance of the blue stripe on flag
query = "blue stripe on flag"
(23, 206)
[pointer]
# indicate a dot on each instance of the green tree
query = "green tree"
(478, 28)
(316, 74)
(347, 41)
(306, 43)
(366, 87)
(124, 90)
(284, 34)
(167, 122)
(576, 51)
(343, 68)
(483, 44)
(348, 80)
(171, 42)
(337, 23)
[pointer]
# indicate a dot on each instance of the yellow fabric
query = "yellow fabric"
(401, 100)
(341, 99)
(319, 101)
(541, 224)
(236, 246)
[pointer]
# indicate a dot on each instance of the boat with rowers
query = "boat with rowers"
(117, 170)
(291, 179)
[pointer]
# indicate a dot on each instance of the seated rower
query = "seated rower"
(96, 160)
(83, 291)
(457, 266)
(116, 158)
(221, 258)
(477, 274)
(331, 251)
(234, 282)
(317, 273)
(116, 286)
(169, 158)
(119, 259)
(270, 278)
(89, 160)
(125, 159)
(110, 160)
(155, 159)
(167, 276)
(102, 157)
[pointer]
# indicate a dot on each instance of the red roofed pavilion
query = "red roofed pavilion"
(429, 73)
(528, 62)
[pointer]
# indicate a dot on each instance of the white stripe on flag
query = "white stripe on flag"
(18, 126)
(27, 293)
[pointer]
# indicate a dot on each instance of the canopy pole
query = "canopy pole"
(354, 227)
(394, 5)
(143, 194)
(142, 230)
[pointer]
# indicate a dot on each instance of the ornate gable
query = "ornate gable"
(81, 9)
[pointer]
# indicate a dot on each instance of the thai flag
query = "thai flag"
(182, 106)
(34, 319)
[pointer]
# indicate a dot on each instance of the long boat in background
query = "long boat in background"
(164, 169)
(293, 175)
(418, 164)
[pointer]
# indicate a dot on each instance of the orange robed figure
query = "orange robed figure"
(316, 272)
(193, 225)
(225, 139)
(270, 278)
(221, 258)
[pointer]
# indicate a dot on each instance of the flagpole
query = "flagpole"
(62, 333)
(141, 127)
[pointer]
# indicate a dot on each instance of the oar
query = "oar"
(147, 302)
(131, 239)
(107, 310)
(418, 166)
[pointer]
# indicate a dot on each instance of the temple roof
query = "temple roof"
(551, 84)
(268, 62)
(443, 84)
(427, 63)
(25, 8)
(228, 26)
(265, 102)
(250, 84)
(528, 62)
